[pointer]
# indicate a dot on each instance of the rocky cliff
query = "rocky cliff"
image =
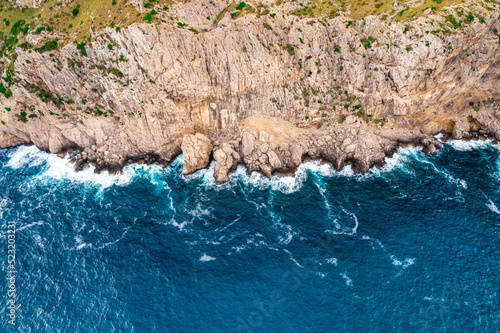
(263, 89)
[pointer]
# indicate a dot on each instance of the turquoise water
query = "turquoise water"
(413, 247)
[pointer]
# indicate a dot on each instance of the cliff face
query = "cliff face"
(319, 88)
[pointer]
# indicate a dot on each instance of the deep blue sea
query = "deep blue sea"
(413, 247)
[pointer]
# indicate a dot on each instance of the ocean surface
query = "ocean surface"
(413, 247)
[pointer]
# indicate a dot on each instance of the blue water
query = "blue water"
(413, 247)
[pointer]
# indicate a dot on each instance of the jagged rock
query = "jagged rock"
(350, 148)
(274, 160)
(175, 82)
(223, 163)
(196, 150)
(247, 144)
(225, 159)
(264, 148)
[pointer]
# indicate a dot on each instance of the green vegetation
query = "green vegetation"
(450, 18)
(74, 19)
(4, 91)
(81, 47)
(22, 117)
(49, 46)
(367, 42)
(359, 9)
(241, 6)
(476, 107)
(149, 16)
(75, 10)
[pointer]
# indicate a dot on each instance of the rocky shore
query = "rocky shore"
(264, 91)
(268, 145)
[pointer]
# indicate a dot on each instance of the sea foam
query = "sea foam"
(55, 168)
(206, 258)
(491, 205)
(462, 145)
(292, 184)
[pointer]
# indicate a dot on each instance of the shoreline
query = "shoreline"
(445, 139)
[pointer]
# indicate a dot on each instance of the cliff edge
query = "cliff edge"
(264, 84)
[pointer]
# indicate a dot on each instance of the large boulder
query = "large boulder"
(225, 159)
(196, 150)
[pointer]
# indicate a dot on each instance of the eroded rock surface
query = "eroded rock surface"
(197, 150)
(345, 93)
(268, 145)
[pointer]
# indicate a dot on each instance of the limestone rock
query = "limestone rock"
(274, 160)
(196, 150)
(173, 83)
(247, 143)
(225, 160)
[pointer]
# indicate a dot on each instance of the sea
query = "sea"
(411, 247)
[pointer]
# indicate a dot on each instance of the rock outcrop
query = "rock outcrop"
(264, 91)
(28, 3)
(197, 150)
(268, 145)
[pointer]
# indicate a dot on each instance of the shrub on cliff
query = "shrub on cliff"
(116, 71)
(81, 47)
(49, 46)
(22, 117)
(75, 10)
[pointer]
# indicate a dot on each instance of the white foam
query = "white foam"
(61, 168)
(374, 241)
(293, 259)
(206, 258)
(457, 181)
(343, 229)
(462, 145)
(3, 205)
(287, 238)
(178, 225)
(401, 158)
(283, 184)
(347, 279)
(287, 232)
(292, 184)
(80, 244)
(439, 136)
(25, 156)
(30, 225)
(404, 264)
(237, 249)
(332, 261)
(491, 205)
(199, 212)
